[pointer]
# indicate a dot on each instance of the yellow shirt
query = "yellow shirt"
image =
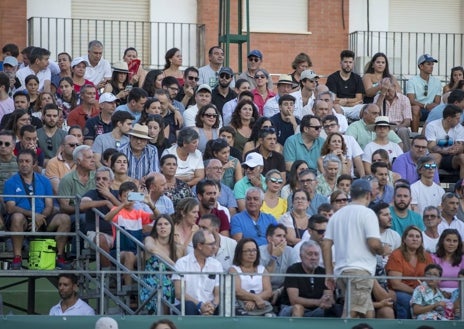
(277, 211)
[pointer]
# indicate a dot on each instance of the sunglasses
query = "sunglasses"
(341, 200)
(49, 144)
(315, 127)
(73, 145)
(253, 59)
(447, 141)
(430, 166)
(260, 76)
(276, 180)
(210, 115)
(117, 144)
(225, 76)
(193, 78)
(320, 232)
(426, 90)
(7, 144)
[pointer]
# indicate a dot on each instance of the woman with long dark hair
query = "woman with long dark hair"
(243, 118)
(376, 69)
(161, 248)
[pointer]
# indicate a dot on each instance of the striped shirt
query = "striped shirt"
(140, 167)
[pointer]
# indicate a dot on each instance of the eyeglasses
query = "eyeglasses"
(49, 144)
(300, 199)
(173, 89)
(260, 76)
(73, 145)
(276, 180)
(253, 59)
(430, 166)
(210, 115)
(193, 78)
(6, 144)
(342, 200)
(211, 244)
(426, 90)
(332, 125)
(225, 76)
(250, 251)
(315, 127)
(304, 181)
(216, 168)
(320, 232)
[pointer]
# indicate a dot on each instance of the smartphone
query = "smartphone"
(128, 88)
(135, 196)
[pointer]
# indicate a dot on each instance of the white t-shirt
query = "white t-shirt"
(393, 150)
(430, 244)
(423, 196)
(194, 161)
(349, 228)
(434, 132)
(43, 76)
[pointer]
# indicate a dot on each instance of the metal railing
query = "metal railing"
(151, 39)
(404, 48)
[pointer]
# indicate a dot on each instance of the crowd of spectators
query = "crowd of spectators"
(218, 172)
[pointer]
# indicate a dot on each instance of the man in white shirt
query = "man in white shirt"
(39, 58)
(356, 255)
(449, 209)
(446, 140)
(201, 290)
(70, 303)
(99, 70)
(225, 246)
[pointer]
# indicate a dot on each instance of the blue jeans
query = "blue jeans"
(402, 307)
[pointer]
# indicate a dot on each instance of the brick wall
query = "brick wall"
(328, 37)
(13, 23)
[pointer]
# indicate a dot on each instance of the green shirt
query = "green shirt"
(71, 186)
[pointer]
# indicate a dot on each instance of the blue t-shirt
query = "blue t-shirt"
(40, 186)
(243, 223)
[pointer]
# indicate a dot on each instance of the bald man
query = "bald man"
(156, 186)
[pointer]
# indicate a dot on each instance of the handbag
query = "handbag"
(42, 254)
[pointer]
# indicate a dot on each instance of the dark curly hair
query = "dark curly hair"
(236, 121)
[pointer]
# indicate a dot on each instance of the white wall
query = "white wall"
(378, 15)
(181, 36)
(49, 8)
(55, 29)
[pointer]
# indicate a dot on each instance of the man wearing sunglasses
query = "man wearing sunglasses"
(63, 162)
(8, 164)
(446, 140)
(306, 145)
(423, 91)
(224, 91)
(186, 93)
(254, 61)
(425, 192)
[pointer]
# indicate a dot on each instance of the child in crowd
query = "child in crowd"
(428, 302)
(133, 221)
